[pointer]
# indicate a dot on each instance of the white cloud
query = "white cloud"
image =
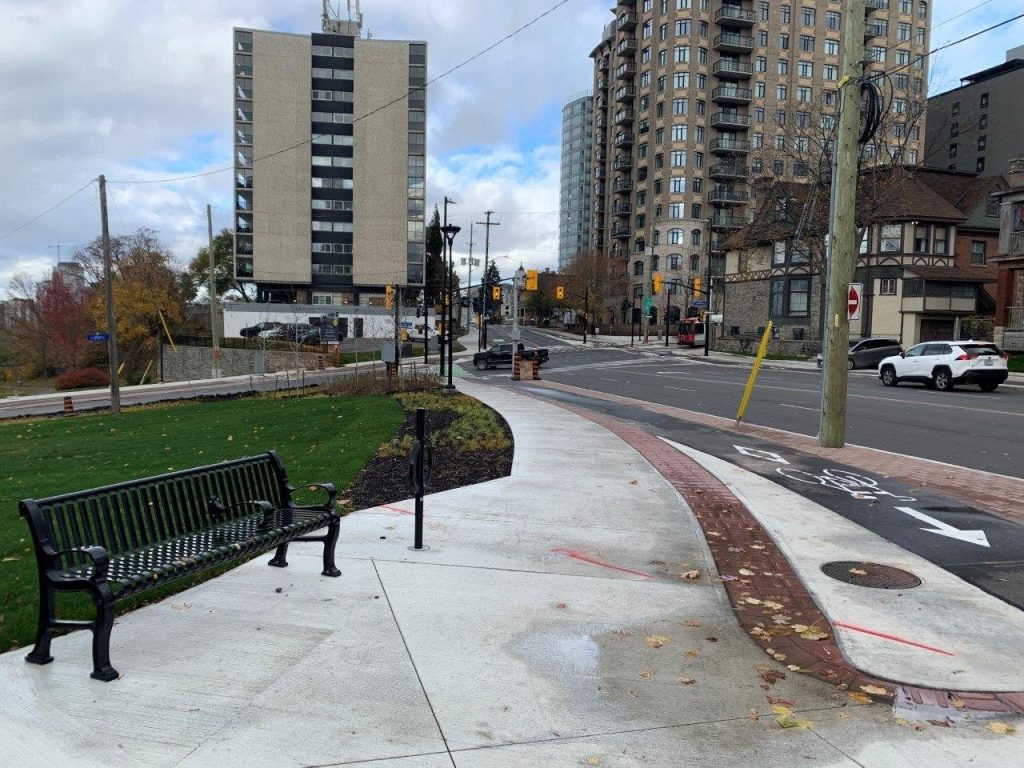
(141, 90)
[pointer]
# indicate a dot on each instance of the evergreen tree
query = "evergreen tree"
(435, 264)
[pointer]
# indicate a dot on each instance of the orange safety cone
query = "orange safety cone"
(319, 362)
(536, 370)
(69, 407)
(517, 361)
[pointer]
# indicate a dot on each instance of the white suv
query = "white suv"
(944, 364)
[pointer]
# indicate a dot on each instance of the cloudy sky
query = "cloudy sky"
(142, 91)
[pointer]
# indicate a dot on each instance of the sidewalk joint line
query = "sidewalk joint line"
(412, 661)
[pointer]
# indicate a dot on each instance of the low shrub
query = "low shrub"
(82, 378)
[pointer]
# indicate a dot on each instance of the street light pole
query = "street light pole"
(707, 318)
(444, 284)
(449, 231)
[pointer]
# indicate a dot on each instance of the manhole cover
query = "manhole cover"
(871, 575)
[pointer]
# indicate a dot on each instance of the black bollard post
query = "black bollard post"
(420, 464)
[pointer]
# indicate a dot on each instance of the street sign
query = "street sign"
(854, 301)
(98, 337)
(647, 305)
(699, 303)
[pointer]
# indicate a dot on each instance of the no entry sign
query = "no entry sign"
(854, 301)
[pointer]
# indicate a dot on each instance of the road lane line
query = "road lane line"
(681, 389)
(801, 407)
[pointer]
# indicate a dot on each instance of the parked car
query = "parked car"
(272, 334)
(501, 354)
(944, 364)
(868, 353)
(295, 331)
(254, 330)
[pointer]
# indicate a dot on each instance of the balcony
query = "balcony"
(602, 83)
(873, 5)
(598, 240)
(622, 163)
(627, 21)
(623, 116)
(1016, 244)
(736, 16)
(730, 94)
(734, 42)
(732, 69)
(622, 209)
(621, 233)
(624, 139)
(625, 93)
(602, 65)
(731, 120)
(718, 244)
(601, 122)
(726, 221)
(874, 30)
(601, 138)
(627, 46)
(727, 196)
(626, 70)
(728, 171)
(599, 206)
(600, 173)
(730, 146)
(622, 185)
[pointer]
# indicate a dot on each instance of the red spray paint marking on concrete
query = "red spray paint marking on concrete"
(585, 558)
(397, 509)
(894, 638)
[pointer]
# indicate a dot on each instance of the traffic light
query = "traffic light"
(531, 280)
(656, 283)
(496, 292)
(560, 292)
(387, 296)
(696, 288)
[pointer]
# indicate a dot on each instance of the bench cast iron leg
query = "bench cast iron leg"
(44, 630)
(280, 559)
(101, 636)
(330, 539)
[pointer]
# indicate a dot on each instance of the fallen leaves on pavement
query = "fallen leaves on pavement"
(859, 698)
(687, 680)
(691, 575)
(874, 690)
(657, 641)
(786, 718)
(1001, 728)
(691, 623)
(858, 572)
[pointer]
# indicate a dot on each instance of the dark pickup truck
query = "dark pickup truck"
(501, 354)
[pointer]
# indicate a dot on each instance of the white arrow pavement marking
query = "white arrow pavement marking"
(944, 529)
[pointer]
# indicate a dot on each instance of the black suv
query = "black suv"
(868, 353)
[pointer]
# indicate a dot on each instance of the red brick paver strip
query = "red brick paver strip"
(767, 596)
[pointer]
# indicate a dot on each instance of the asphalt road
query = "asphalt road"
(966, 427)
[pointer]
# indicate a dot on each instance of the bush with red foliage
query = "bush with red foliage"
(83, 378)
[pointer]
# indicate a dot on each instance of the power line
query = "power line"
(971, 36)
(48, 210)
(391, 103)
(959, 15)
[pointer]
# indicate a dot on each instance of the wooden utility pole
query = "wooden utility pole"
(213, 294)
(843, 234)
(484, 287)
(108, 280)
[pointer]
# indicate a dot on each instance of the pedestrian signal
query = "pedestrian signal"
(559, 292)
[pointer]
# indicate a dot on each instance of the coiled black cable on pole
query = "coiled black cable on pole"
(873, 111)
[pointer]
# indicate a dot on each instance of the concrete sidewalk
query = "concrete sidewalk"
(553, 621)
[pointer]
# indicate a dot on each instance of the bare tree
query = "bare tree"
(592, 281)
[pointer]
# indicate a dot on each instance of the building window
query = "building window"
(978, 252)
(887, 286)
(675, 236)
(941, 240)
(638, 268)
(980, 166)
(892, 238)
(921, 238)
(784, 14)
(790, 297)
(984, 101)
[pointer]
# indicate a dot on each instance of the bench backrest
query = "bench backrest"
(130, 515)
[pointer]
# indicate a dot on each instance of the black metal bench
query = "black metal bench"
(123, 539)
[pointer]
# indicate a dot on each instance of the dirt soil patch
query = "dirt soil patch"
(459, 458)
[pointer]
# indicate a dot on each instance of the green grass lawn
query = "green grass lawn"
(1016, 363)
(319, 439)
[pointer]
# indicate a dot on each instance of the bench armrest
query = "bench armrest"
(217, 509)
(99, 557)
(327, 488)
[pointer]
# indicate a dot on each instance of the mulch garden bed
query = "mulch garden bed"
(385, 479)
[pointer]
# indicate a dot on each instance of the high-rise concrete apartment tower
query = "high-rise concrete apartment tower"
(577, 167)
(330, 176)
(687, 94)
